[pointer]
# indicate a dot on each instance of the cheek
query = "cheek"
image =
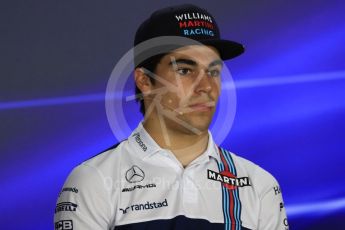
(216, 87)
(186, 88)
(180, 91)
(171, 99)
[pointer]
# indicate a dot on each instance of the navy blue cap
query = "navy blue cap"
(187, 21)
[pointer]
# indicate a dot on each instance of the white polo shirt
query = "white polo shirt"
(138, 185)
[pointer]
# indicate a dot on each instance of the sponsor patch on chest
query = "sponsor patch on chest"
(228, 179)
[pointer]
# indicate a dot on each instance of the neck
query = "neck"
(185, 146)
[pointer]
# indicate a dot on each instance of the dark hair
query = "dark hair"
(149, 65)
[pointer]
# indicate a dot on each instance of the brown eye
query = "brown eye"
(184, 71)
(213, 73)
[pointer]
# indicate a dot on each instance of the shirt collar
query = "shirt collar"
(212, 148)
(141, 140)
(145, 146)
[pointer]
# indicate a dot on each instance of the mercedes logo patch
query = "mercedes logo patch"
(135, 174)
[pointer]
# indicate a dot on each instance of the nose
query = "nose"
(203, 83)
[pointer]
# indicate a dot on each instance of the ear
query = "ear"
(142, 81)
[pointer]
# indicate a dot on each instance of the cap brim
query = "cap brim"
(165, 44)
(227, 49)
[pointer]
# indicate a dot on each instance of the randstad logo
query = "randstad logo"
(147, 206)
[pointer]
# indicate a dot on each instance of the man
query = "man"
(169, 173)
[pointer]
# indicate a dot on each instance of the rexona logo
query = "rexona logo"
(139, 141)
(147, 206)
(228, 179)
(66, 206)
(64, 225)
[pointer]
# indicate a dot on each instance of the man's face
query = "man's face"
(188, 81)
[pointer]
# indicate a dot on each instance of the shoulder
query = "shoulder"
(261, 180)
(106, 161)
(99, 168)
(91, 188)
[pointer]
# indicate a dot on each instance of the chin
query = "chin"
(203, 127)
(201, 123)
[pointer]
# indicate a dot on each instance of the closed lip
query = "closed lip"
(206, 106)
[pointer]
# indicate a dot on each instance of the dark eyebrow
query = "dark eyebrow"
(193, 63)
(183, 61)
(216, 62)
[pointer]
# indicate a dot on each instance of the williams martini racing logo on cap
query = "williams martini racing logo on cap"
(192, 23)
(228, 179)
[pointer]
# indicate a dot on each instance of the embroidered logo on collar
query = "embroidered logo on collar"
(135, 174)
(139, 141)
(229, 180)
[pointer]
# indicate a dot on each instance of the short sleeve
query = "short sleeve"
(84, 201)
(272, 211)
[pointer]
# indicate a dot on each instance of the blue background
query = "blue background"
(57, 56)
